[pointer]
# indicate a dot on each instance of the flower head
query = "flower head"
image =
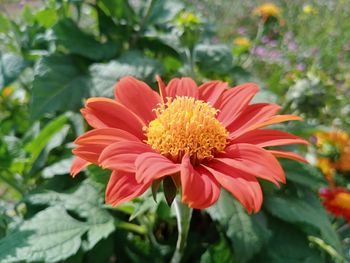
(202, 138)
(336, 201)
(267, 10)
(333, 150)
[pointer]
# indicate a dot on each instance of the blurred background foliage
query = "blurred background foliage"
(55, 54)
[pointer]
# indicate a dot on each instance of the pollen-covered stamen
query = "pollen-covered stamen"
(186, 126)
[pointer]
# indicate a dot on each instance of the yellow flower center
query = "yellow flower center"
(342, 200)
(186, 126)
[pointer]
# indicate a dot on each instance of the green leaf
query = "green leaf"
(247, 233)
(303, 174)
(213, 58)
(304, 211)
(218, 253)
(69, 35)
(287, 245)
(86, 201)
(104, 76)
(57, 168)
(11, 66)
(163, 11)
(51, 235)
(46, 17)
(35, 146)
(58, 86)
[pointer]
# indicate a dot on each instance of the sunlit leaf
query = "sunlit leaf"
(59, 85)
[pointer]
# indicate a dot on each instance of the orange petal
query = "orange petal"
(138, 97)
(211, 91)
(199, 188)
(235, 100)
(264, 138)
(89, 152)
(288, 155)
(107, 113)
(123, 187)
(182, 87)
(161, 87)
(242, 185)
(252, 115)
(78, 164)
(105, 136)
(254, 161)
(276, 119)
(122, 155)
(151, 166)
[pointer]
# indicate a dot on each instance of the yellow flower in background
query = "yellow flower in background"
(309, 9)
(242, 42)
(333, 149)
(267, 10)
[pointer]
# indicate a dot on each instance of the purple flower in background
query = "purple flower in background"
(242, 30)
(259, 51)
(301, 67)
(292, 46)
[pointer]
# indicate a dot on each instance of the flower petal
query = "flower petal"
(288, 155)
(107, 113)
(151, 166)
(234, 100)
(253, 114)
(105, 136)
(138, 97)
(211, 91)
(264, 138)
(78, 164)
(276, 119)
(182, 87)
(123, 187)
(121, 156)
(254, 161)
(199, 188)
(242, 185)
(89, 152)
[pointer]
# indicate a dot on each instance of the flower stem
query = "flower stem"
(183, 218)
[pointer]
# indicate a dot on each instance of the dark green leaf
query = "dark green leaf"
(218, 253)
(247, 233)
(213, 58)
(69, 35)
(163, 11)
(305, 211)
(303, 174)
(169, 189)
(58, 85)
(287, 245)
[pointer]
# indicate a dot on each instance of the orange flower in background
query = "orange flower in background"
(267, 10)
(203, 138)
(336, 201)
(333, 149)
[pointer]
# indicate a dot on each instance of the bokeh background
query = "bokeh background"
(55, 54)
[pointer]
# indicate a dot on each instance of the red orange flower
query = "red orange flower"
(337, 201)
(203, 138)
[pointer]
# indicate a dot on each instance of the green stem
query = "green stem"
(183, 218)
